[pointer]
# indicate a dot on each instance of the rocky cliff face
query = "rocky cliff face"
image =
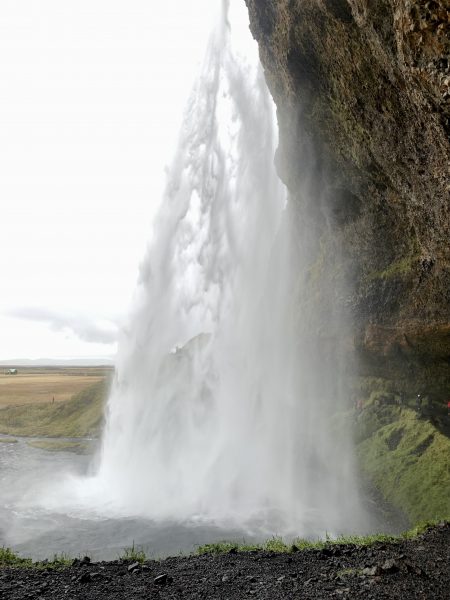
(362, 89)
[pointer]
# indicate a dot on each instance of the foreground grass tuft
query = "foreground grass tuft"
(298, 545)
(8, 558)
(133, 554)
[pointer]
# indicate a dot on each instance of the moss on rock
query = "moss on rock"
(407, 458)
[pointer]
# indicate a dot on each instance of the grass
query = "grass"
(40, 385)
(8, 441)
(81, 416)
(8, 558)
(408, 460)
(132, 554)
(279, 546)
(272, 545)
(57, 446)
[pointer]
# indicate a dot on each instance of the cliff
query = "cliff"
(363, 99)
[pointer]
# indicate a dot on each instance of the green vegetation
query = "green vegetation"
(272, 545)
(8, 441)
(132, 554)
(59, 561)
(402, 266)
(81, 416)
(9, 559)
(348, 573)
(407, 459)
(356, 135)
(46, 385)
(57, 446)
(299, 545)
(396, 268)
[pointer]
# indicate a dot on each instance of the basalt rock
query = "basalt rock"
(362, 89)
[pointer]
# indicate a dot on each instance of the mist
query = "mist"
(225, 409)
(224, 404)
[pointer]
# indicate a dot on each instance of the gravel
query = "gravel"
(418, 568)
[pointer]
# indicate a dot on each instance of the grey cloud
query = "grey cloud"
(84, 328)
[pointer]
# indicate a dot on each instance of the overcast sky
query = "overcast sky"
(91, 96)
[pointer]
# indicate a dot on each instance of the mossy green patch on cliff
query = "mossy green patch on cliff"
(401, 266)
(408, 460)
(81, 416)
(356, 135)
(397, 268)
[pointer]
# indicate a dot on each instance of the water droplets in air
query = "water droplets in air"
(220, 411)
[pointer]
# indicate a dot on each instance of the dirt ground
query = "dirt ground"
(418, 568)
(41, 385)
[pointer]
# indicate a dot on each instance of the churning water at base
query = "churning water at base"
(40, 530)
(221, 414)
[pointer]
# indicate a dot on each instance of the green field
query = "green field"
(81, 416)
(46, 385)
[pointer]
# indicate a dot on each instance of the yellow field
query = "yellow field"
(40, 385)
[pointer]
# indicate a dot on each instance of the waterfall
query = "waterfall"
(221, 409)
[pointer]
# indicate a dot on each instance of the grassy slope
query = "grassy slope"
(408, 459)
(80, 416)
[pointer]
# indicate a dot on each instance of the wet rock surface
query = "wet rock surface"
(362, 91)
(411, 569)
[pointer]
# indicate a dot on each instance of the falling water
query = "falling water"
(220, 411)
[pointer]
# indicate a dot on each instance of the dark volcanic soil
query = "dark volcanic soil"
(410, 569)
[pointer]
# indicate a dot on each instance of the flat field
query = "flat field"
(39, 385)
